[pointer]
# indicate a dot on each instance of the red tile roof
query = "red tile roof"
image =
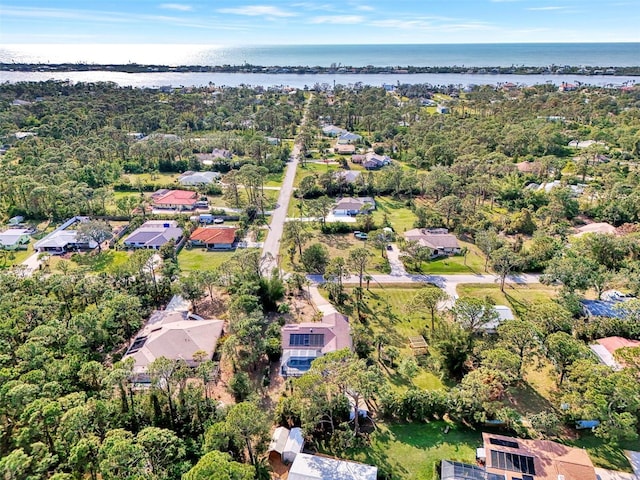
(210, 235)
(614, 343)
(176, 197)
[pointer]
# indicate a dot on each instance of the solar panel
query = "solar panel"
(512, 462)
(503, 443)
(137, 344)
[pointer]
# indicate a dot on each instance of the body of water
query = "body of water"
(468, 55)
(194, 79)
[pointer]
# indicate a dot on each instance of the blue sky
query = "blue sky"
(228, 22)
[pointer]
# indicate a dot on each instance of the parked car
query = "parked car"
(361, 236)
(218, 220)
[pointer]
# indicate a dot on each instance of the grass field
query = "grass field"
(106, 261)
(412, 451)
(517, 296)
(473, 264)
(198, 259)
(399, 215)
(310, 169)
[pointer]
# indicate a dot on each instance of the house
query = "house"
(216, 154)
(584, 143)
(529, 167)
(314, 467)
(436, 240)
(509, 458)
(63, 240)
(332, 131)
(600, 227)
(345, 149)
(17, 220)
(354, 206)
(288, 443)
(358, 159)
(347, 176)
(348, 137)
(174, 199)
(374, 161)
(605, 348)
(504, 313)
(610, 305)
(15, 239)
(198, 178)
(175, 334)
(303, 342)
(443, 109)
(214, 238)
(153, 234)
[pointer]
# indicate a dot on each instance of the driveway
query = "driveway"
(31, 264)
(397, 267)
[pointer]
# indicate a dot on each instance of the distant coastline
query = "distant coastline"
(306, 70)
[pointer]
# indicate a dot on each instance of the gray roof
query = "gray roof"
(351, 203)
(432, 240)
(60, 239)
(198, 178)
(348, 176)
(12, 236)
(154, 233)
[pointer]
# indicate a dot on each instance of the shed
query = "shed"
(294, 445)
(279, 440)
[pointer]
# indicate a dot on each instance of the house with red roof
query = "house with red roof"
(174, 199)
(605, 349)
(214, 238)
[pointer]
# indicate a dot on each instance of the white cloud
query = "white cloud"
(338, 19)
(545, 9)
(258, 11)
(181, 7)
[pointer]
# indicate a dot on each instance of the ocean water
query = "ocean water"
(469, 55)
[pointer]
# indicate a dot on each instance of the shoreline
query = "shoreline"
(134, 68)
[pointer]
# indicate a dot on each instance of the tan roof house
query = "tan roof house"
(439, 242)
(173, 334)
(600, 227)
(304, 342)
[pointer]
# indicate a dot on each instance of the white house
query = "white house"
(14, 239)
(313, 467)
(439, 243)
(198, 178)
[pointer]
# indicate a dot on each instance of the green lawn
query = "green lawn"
(274, 180)
(473, 264)
(605, 455)
(11, 258)
(165, 178)
(399, 215)
(311, 168)
(517, 296)
(198, 259)
(106, 261)
(413, 451)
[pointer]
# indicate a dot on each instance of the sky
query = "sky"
(255, 22)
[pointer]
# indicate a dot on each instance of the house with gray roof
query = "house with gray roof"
(153, 234)
(332, 131)
(440, 243)
(373, 161)
(348, 137)
(63, 239)
(14, 239)
(354, 206)
(198, 178)
(347, 176)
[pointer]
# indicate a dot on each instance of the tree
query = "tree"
(473, 313)
(164, 450)
(219, 466)
(335, 273)
(504, 360)
(94, 231)
(320, 208)
(521, 337)
(345, 374)
(427, 299)
(121, 457)
(488, 241)
(563, 350)
(358, 260)
(191, 288)
(573, 271)
(315, 258)
(248, 424)
(295, 234)
(503, 261)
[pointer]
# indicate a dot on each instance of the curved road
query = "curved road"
(271, 248)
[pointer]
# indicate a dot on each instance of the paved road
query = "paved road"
(449, 283)
(271, 248)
